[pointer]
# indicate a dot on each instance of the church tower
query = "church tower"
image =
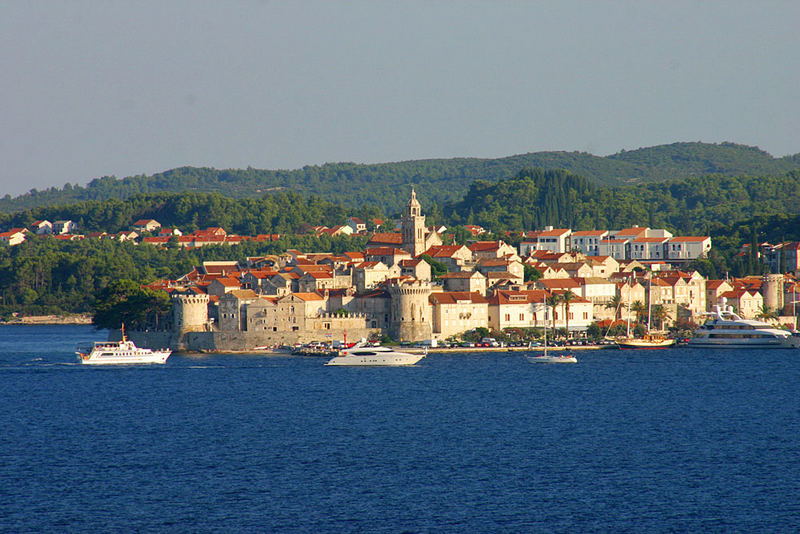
(414, 227)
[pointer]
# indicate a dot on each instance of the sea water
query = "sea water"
(668, 440)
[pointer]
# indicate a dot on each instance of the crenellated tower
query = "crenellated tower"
(410, 317)
(190, 313)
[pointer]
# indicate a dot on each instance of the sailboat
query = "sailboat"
(543, 357)
(650, 340)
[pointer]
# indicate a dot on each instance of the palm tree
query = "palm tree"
(553, 301)
(639, 309)
(658, 314)
(614, 303)
(766, 313)
(566, 297)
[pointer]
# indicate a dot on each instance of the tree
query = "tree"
(531, 273)
(567, 297)
(639, 309)
(552, 301)
(438, 269)
(766, 313)
(614, 303)
(126, 302)
(658, 314)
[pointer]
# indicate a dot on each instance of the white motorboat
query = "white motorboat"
(378, 355)
(725, 329)
(120, 352)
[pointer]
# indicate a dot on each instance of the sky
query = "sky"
(119, 88)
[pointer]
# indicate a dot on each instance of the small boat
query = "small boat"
(120, 352)
(543, 357)
(375, 356)
(552, 358)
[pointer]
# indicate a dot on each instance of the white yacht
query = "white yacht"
(120, 352)
(725, 329)
(365, 355)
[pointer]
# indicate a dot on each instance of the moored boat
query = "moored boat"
(649, 341)
(726, 329)
(375, 356)
(543, 357)
(552, 358)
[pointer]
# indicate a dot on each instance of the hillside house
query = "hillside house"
(146, 225)
(688, 248)
(588, 241)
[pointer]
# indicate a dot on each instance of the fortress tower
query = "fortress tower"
(410, 317)
(190, 313)
(772, 291)
(414, 227)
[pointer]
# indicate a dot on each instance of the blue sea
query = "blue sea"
(677, 440)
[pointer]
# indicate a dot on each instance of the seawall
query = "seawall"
(236, 341)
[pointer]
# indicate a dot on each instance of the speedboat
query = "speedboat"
(378, 355)
(726, 329)
(120, 352)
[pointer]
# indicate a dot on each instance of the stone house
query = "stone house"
(454, 313)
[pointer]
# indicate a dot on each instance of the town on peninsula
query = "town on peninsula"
(408, 286)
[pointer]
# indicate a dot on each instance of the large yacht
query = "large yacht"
(365, 355)
(725, 329)
(120, 352)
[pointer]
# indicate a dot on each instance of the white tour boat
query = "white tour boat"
(120, 352)
(365, 355)
(725, 329)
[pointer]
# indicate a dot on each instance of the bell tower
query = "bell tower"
(414, 227)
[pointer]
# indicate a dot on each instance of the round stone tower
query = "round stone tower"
(190, 313)
(410, 316)
(772, 291)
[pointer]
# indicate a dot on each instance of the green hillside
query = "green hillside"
(439, 181)
(696, 205)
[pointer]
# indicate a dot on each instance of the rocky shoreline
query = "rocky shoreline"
(49, 320)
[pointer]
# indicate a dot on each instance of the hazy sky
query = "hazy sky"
(121, 87)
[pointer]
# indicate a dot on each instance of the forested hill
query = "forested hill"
(439, 180)
(699, 205)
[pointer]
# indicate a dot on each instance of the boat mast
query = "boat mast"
(544, 301)
(649, 298)
(628, 328)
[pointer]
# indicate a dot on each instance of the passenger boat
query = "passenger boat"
(726, 329)
(120, 352)
(375, 356)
